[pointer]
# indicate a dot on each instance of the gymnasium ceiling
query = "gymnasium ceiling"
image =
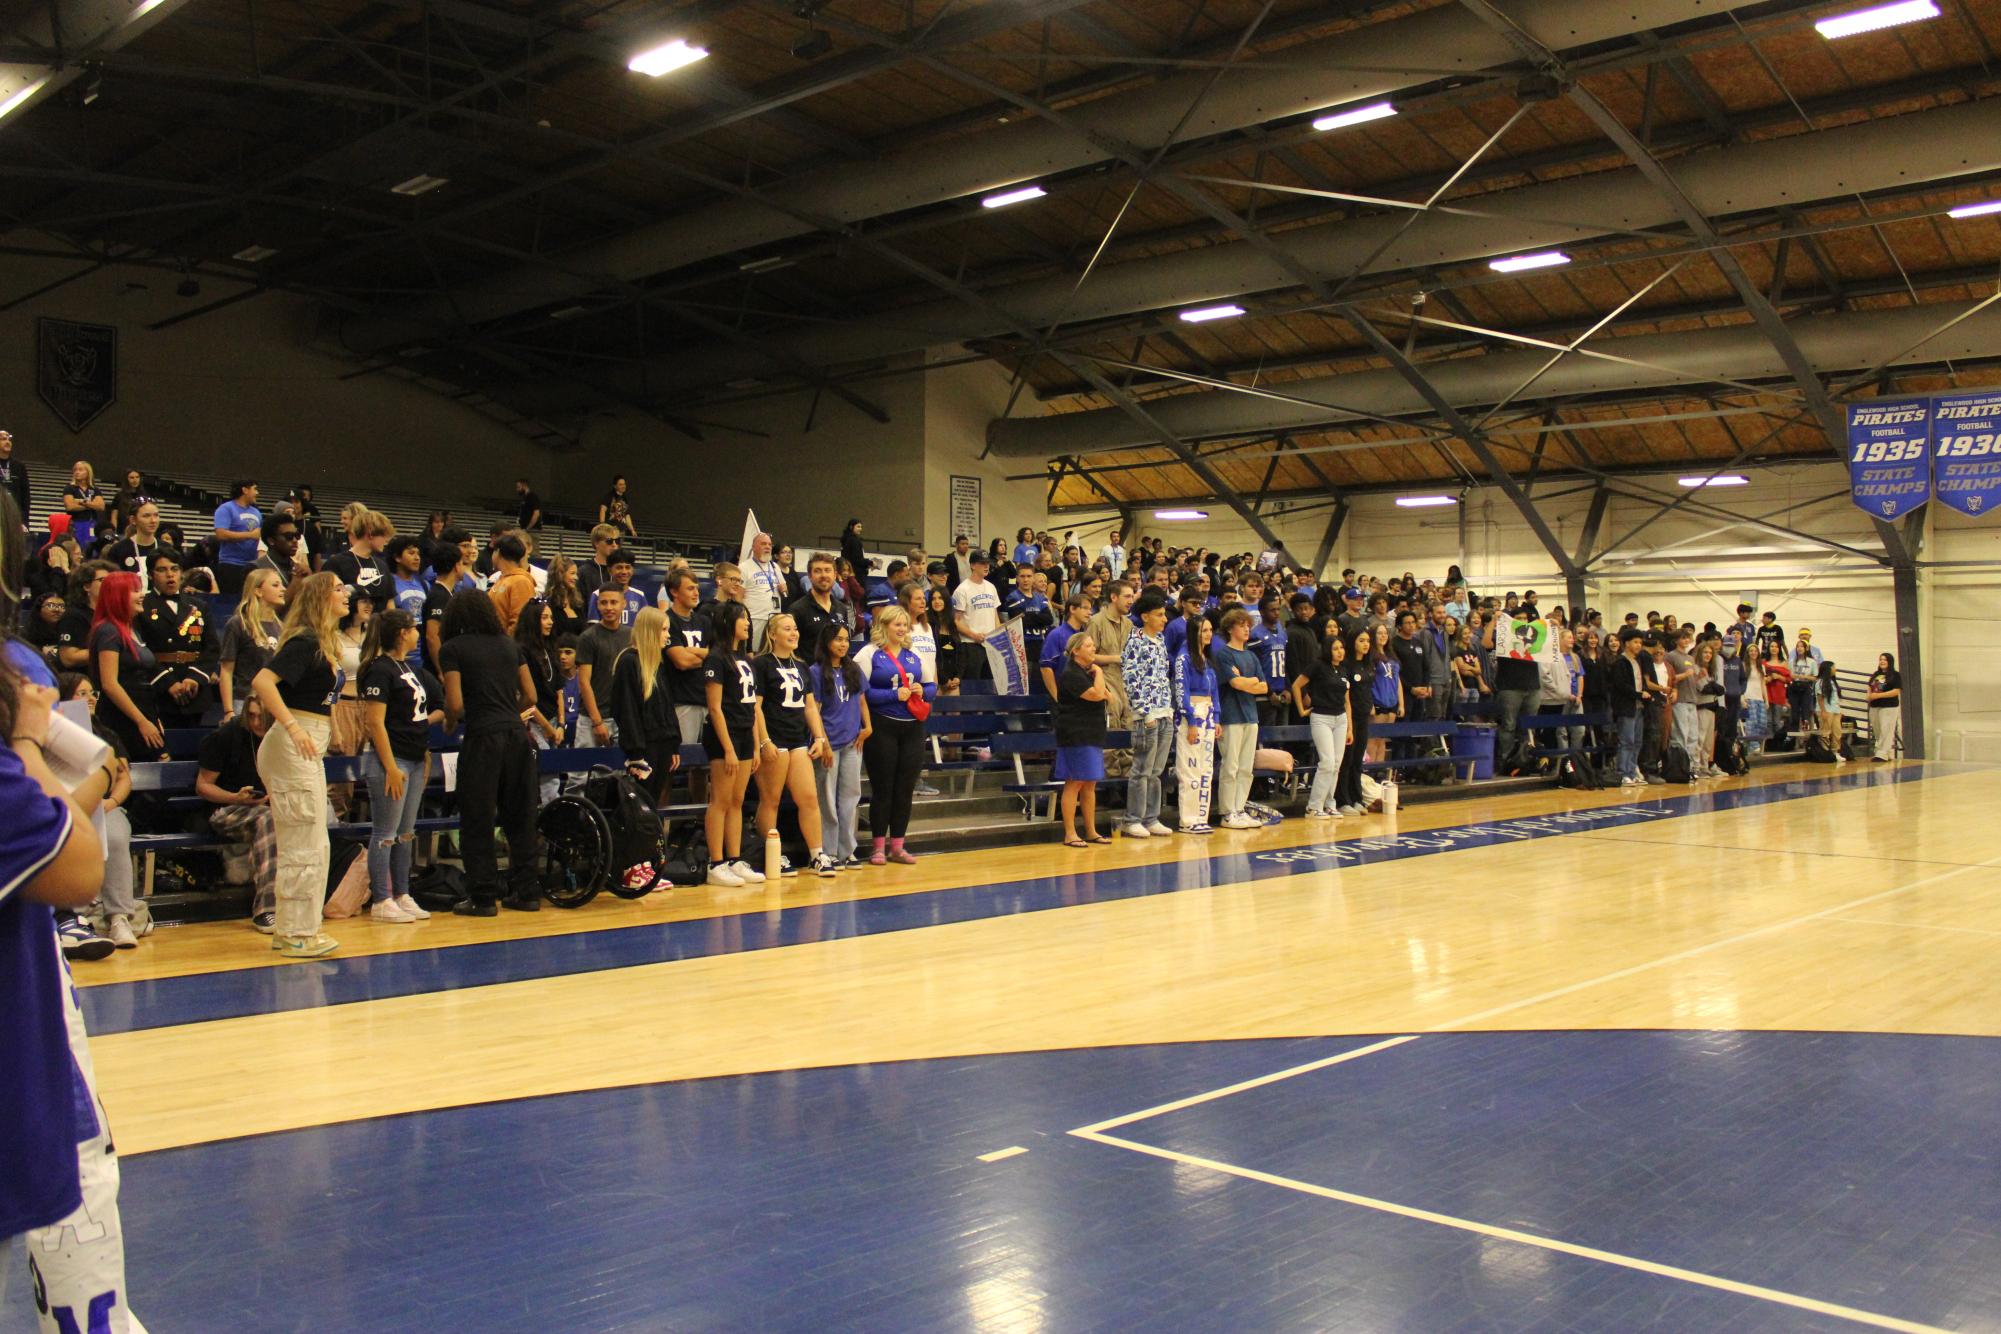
(283, 124)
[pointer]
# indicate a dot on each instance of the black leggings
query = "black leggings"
(1348, 787)
(894, 754)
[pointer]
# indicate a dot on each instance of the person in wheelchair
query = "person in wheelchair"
(648, 732)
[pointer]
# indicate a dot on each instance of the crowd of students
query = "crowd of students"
(310, 637)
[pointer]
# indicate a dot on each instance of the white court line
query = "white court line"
(1095, 1132)
(1526, 1238)
(1919, 926)
(1260, 1081)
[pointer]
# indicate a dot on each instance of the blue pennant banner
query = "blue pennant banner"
(1966, 463)
(1887, 448)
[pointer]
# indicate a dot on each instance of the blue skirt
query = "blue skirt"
(1078, 764)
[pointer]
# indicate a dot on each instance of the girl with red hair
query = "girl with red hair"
(124, 668)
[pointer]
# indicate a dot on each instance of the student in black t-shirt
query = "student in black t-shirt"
(1359, 675)
(226, 778)
(488, 688)
(298, 688)
(447, 566)
(535, 632)
(397, 711)
(1320, 692)
(123, 667)
(1081, 693)
(86, 582)
(794, 740)
(1886, 702)
(733, 737)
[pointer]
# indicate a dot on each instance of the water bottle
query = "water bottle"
(774, 857)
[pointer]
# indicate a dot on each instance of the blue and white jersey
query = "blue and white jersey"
(45, 1106)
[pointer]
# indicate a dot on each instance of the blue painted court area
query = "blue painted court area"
(126, 1006)
(1862, 1170)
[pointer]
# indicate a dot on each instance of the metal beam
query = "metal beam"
(1327, 539)
(1474, 440)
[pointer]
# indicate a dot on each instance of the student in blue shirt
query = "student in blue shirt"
(1242, 683)
(409, 588)
(1189, 608)
(1056, 644)
(1269, 641)
(1022, 600)
(61, 1167)
(1025, 549)
(238, 525)
(839, 687)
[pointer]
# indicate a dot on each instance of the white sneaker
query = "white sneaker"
(387, 910)
(1135, 831)
(1242, 820)
(1350, 809)
(1631, 782)
(824, 866)
(724, 876)
(1157, 829)
(746, 873)
(416, 910)
(119, 932)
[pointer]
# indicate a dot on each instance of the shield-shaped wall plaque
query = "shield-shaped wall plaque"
(76, 369)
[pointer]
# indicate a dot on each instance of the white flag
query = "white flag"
(750, 532)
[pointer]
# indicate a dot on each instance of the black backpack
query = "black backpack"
(1675, 765)
(1734, 760)
(1818, 751)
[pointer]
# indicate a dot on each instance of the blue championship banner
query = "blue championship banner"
(1966, 465)
(1888, 449)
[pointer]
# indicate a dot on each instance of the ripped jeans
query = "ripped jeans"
(393, 839)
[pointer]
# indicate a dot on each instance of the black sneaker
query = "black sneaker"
(266, 922)
(476, 908)
(524, 902)
(80, 943)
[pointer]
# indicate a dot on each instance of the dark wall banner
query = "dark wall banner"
(76, 369)
(1966, 462)
(1889, 474)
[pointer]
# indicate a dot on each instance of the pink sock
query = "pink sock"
(878, 844)
(896, 845)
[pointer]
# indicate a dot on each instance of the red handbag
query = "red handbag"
(920, 707)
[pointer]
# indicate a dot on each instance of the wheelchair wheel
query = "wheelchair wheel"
(576, 851)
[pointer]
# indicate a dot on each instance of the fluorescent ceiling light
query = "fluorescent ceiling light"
(1341, 120)
(1542, 259)
(1721, 479)
(567, 313)
(665, 58)
(26, 92)
(1203, 314)
(254, 254)
(1976, 210)
(144, 9)
(1876, 17)
(1424, 502)
(1021, 196)
(766, 265)
(419, 185)
(1172, 515)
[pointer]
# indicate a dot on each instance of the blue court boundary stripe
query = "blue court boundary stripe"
(1308, 1050)
(124, 1007)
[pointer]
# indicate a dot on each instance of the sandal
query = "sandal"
(1097, 838)
(1074, 843)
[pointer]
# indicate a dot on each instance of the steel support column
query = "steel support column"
(1594, 519)
(1332, 535)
